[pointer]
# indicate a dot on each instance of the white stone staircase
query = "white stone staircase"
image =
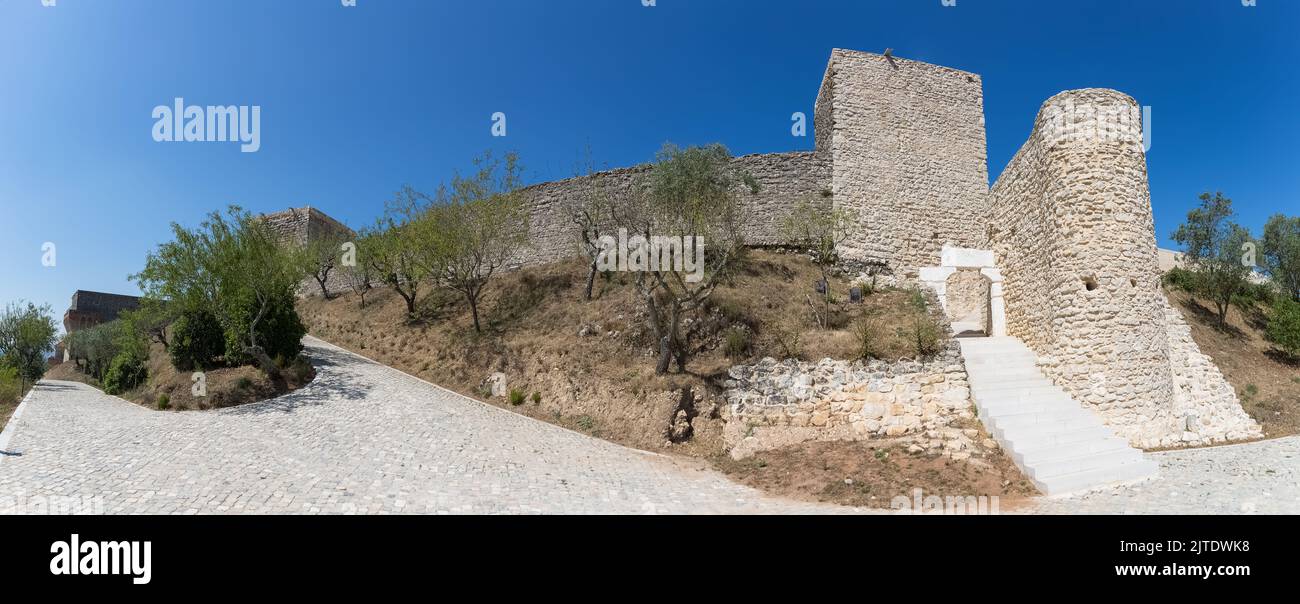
(1058, 444)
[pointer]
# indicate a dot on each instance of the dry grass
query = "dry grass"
(603, 383)
(1267, 383)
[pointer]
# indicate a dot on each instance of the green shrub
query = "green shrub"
(243, 383)
(737, 342)
(1284, 326)
(196, 341)
(1180, 278)
(537, 398)
(164, 402)
(125, 372)
(516, 397)
(279, 332)
(922, 332)
(586, 422)
(10, 385)
(867, 333)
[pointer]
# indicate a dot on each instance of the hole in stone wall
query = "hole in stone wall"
(1090, 282)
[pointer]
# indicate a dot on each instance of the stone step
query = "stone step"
(1030, 440)
(1058, 444)
(1088, 461)
(1056, 451)
(1091, 479)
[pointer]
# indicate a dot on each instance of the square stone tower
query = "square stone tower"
(905, 142)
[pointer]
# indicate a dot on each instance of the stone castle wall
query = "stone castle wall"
(785, 179)
(1070, 223)
(906, 144)
(297, 226)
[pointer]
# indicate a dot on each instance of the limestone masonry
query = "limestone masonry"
(1060, 252)
(1072, 267)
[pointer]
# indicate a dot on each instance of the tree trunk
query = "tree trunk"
(473, 310)
(264, 361)
(591, 281)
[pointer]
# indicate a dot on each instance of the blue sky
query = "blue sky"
(358, 101)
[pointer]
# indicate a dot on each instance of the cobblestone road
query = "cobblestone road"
(361, 438)
(364, 438)
(1253, 478)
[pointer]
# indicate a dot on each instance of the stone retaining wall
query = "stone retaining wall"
(773, 404)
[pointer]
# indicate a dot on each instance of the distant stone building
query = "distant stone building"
(300, 226)
(89, 309)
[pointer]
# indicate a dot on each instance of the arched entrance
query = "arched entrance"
(969, 287)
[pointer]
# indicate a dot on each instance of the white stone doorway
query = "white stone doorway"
(969, 287)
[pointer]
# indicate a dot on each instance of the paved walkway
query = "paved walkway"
(362, 438)
(1254, 478)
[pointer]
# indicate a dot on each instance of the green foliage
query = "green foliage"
(164, 401)
(1284, 326)
(27, 335)
(126, 371)
(11, 385)
(689, 193)
(279, 331)
(867, 333)
(473, 228)
(586, 422)
(1280, 253)
(516, 397)
(243, 383)
(197, 341)
(233, 268)
(537, 397)
(922, 332)
(1216, 252)
(737, 342)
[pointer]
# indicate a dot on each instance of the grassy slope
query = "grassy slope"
(1266, 382)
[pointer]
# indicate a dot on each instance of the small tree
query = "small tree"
(233, 268)
(360, 277)
(1214, 247)
(1284, 326)
(394, 247)
(475, 227)
(321, 257)
(27, 335)
(1280, 250)
(592, 212)
(819, 228)
(689, 194)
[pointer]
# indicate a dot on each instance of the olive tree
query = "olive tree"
(1280, 251)
(394, 247)
(27, 335)
(819, 228)
(474, 228)
(1214, 247)
(592, 213)
(321, 256)
(234, 269)
(684, 219)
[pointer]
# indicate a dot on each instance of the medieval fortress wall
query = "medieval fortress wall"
(1070, 256)
(1071, 225)
(906, 144)
(785, 178)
